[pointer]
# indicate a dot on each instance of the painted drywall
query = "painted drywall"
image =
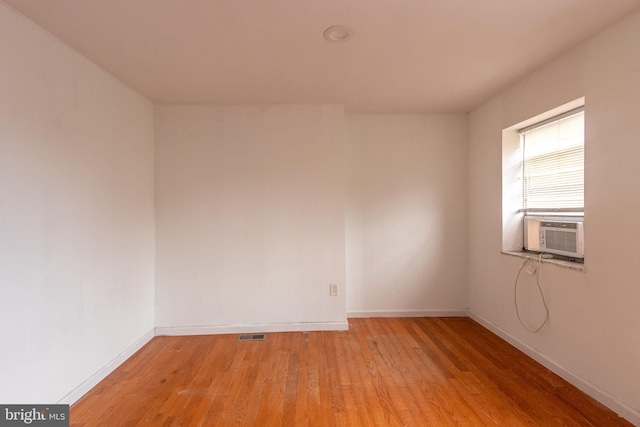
(249, 218)
(76, 216)
(406, 214)
(592, 334)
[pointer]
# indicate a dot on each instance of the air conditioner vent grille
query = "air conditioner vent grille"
(561, 240)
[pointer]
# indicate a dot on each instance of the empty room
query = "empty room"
(316, 213)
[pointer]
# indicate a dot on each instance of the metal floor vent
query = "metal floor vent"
(254, 337)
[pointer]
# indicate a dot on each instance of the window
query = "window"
(553, 165)
(543, 173)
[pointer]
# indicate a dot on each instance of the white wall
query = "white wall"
(250, 218)
(592, 335)
(76, 216)
(406, 214)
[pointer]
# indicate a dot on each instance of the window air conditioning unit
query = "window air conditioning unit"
(561, 236)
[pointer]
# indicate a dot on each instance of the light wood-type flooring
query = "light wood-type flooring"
(382, 372)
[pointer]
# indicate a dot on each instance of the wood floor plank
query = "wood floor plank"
(382, 372)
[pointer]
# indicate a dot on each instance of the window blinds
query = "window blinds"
(553, 164)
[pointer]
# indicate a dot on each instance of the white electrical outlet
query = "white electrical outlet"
(530, 267)
(333, 290)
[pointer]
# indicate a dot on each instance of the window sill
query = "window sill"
(559, 262)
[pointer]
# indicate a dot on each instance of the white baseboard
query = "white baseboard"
(406, 313)
(93, 380)
(252, 328)
(630, 414)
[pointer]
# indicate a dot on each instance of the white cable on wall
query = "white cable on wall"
(544, 302)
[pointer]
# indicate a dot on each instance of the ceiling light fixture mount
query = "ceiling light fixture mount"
(338, 34)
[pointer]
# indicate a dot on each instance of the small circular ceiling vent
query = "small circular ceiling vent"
(338, 34)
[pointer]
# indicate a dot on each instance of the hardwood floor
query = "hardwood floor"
(382, 372)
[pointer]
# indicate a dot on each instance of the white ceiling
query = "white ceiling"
(432, 56)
